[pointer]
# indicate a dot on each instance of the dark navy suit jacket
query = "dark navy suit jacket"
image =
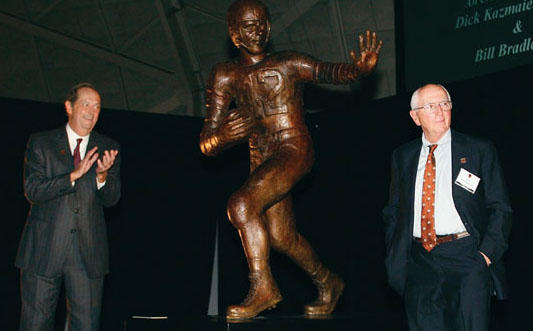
(58, 208)
(486, 214)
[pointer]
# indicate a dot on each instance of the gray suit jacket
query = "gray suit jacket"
(59, 209)
(486, 214)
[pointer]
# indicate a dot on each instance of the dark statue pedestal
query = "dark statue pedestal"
(133, 324)
(337, 322)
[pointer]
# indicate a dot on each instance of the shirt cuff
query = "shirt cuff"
(99, 185)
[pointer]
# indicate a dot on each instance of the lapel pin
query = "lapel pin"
(62, 152)
(463, 160)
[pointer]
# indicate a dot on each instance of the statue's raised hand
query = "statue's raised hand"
(369, 49)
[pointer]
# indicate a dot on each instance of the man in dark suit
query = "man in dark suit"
(64, 240)
(447, 221)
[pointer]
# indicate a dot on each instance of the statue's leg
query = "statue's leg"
(285, 238)
(246, 211)
(272, 177)
(246, 215)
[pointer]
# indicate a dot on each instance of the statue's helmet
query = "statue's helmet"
(249, 25)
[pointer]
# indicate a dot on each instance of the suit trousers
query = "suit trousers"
(40, 294)
(448, 288)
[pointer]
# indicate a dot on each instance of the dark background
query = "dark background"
(162, 232)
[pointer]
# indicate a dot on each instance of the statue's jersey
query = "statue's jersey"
(269, 91)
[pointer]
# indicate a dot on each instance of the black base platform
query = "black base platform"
(362, 321)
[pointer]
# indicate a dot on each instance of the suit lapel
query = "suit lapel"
(412, 158)
(459, 151)
(62, 147)
(93, 141)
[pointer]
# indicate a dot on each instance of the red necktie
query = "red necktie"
(427, 225)
(76, 154)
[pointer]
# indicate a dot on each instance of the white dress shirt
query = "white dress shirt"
(73, 141)
(447, 220)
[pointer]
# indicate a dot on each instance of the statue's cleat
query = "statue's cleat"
(263, 294)
(329, 291)
(246, 311)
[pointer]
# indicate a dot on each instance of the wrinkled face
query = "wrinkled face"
(83, 113)
(434, 124)
(251, 29)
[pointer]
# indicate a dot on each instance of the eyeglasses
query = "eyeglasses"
(433, 106)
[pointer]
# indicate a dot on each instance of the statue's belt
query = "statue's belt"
(276, 137)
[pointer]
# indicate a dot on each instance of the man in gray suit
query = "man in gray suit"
(70, 174)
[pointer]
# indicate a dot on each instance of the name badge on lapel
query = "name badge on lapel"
(467, 180)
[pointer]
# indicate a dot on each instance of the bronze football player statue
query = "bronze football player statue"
(267, 89)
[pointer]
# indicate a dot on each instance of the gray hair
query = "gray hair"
(414, 97)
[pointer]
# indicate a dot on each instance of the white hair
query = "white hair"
(414, 97)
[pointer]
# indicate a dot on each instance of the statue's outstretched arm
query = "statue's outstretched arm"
(363, 63)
